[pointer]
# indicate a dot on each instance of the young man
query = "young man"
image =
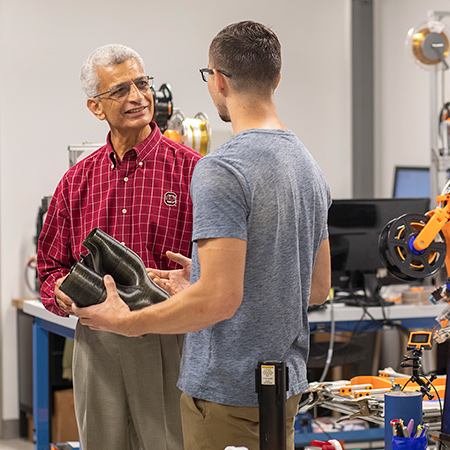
(261, 254)
(125, 389)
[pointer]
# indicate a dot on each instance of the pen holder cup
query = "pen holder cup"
(402, 443)
(403, 405)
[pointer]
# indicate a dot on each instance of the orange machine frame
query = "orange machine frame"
(439, 221)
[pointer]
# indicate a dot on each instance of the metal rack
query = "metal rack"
(440, 154)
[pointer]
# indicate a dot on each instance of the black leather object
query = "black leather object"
(84, 284)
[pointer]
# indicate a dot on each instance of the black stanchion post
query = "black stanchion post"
(271, 386)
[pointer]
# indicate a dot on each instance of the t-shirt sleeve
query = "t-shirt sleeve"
(220, 197)
(326, 233)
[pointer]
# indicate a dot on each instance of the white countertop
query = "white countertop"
(36, 309)
(342, 313)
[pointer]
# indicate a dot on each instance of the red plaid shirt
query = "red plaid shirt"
(144, 202)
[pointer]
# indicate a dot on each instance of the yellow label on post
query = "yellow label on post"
(268, 375)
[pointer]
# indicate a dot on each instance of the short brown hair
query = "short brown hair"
(251, 53)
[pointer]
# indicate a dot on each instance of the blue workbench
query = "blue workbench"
(44, 323)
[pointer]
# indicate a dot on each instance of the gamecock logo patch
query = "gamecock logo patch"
(170, 199)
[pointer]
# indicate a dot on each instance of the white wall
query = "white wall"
(402, 90)
(42, 109)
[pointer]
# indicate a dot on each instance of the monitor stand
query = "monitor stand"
(372, 287)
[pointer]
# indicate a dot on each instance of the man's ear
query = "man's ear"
(96, 108)
(278, 81)
(221, 82)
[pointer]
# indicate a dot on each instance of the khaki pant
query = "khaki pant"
(125, 391)
(212, 426)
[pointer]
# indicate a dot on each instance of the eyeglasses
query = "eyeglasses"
(206, 72)
(122, 90)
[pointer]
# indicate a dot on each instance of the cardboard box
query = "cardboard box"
(30, 427)
(64, 425)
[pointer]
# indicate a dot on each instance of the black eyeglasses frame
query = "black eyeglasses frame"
(128, 85)
(211, 72)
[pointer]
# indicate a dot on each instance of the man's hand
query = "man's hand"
(64, 301)
(112, 315)
(173, 281)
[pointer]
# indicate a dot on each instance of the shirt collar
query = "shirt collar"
(142, 150)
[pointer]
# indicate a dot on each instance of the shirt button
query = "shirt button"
(112, 166)
(125, 179)
(141, 163)
(123, 243)
(124, 210)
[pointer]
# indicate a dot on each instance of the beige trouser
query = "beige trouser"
(211, 426)
(125, 391)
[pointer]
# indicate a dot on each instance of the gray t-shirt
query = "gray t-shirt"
(264, 187)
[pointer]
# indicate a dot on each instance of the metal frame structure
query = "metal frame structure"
(440, 163)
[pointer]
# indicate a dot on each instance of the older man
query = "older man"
(125, 389)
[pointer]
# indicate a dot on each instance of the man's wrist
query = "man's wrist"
(133, 324)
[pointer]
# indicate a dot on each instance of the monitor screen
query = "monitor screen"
(411, 182)
(354, 227)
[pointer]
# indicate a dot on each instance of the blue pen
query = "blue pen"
(424, 430)
(418, 431)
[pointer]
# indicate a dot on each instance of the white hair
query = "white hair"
(107, 55)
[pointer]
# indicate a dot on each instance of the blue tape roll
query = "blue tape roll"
(401, 405)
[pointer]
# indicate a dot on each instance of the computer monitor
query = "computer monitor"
(411, 181)
(354, 228)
